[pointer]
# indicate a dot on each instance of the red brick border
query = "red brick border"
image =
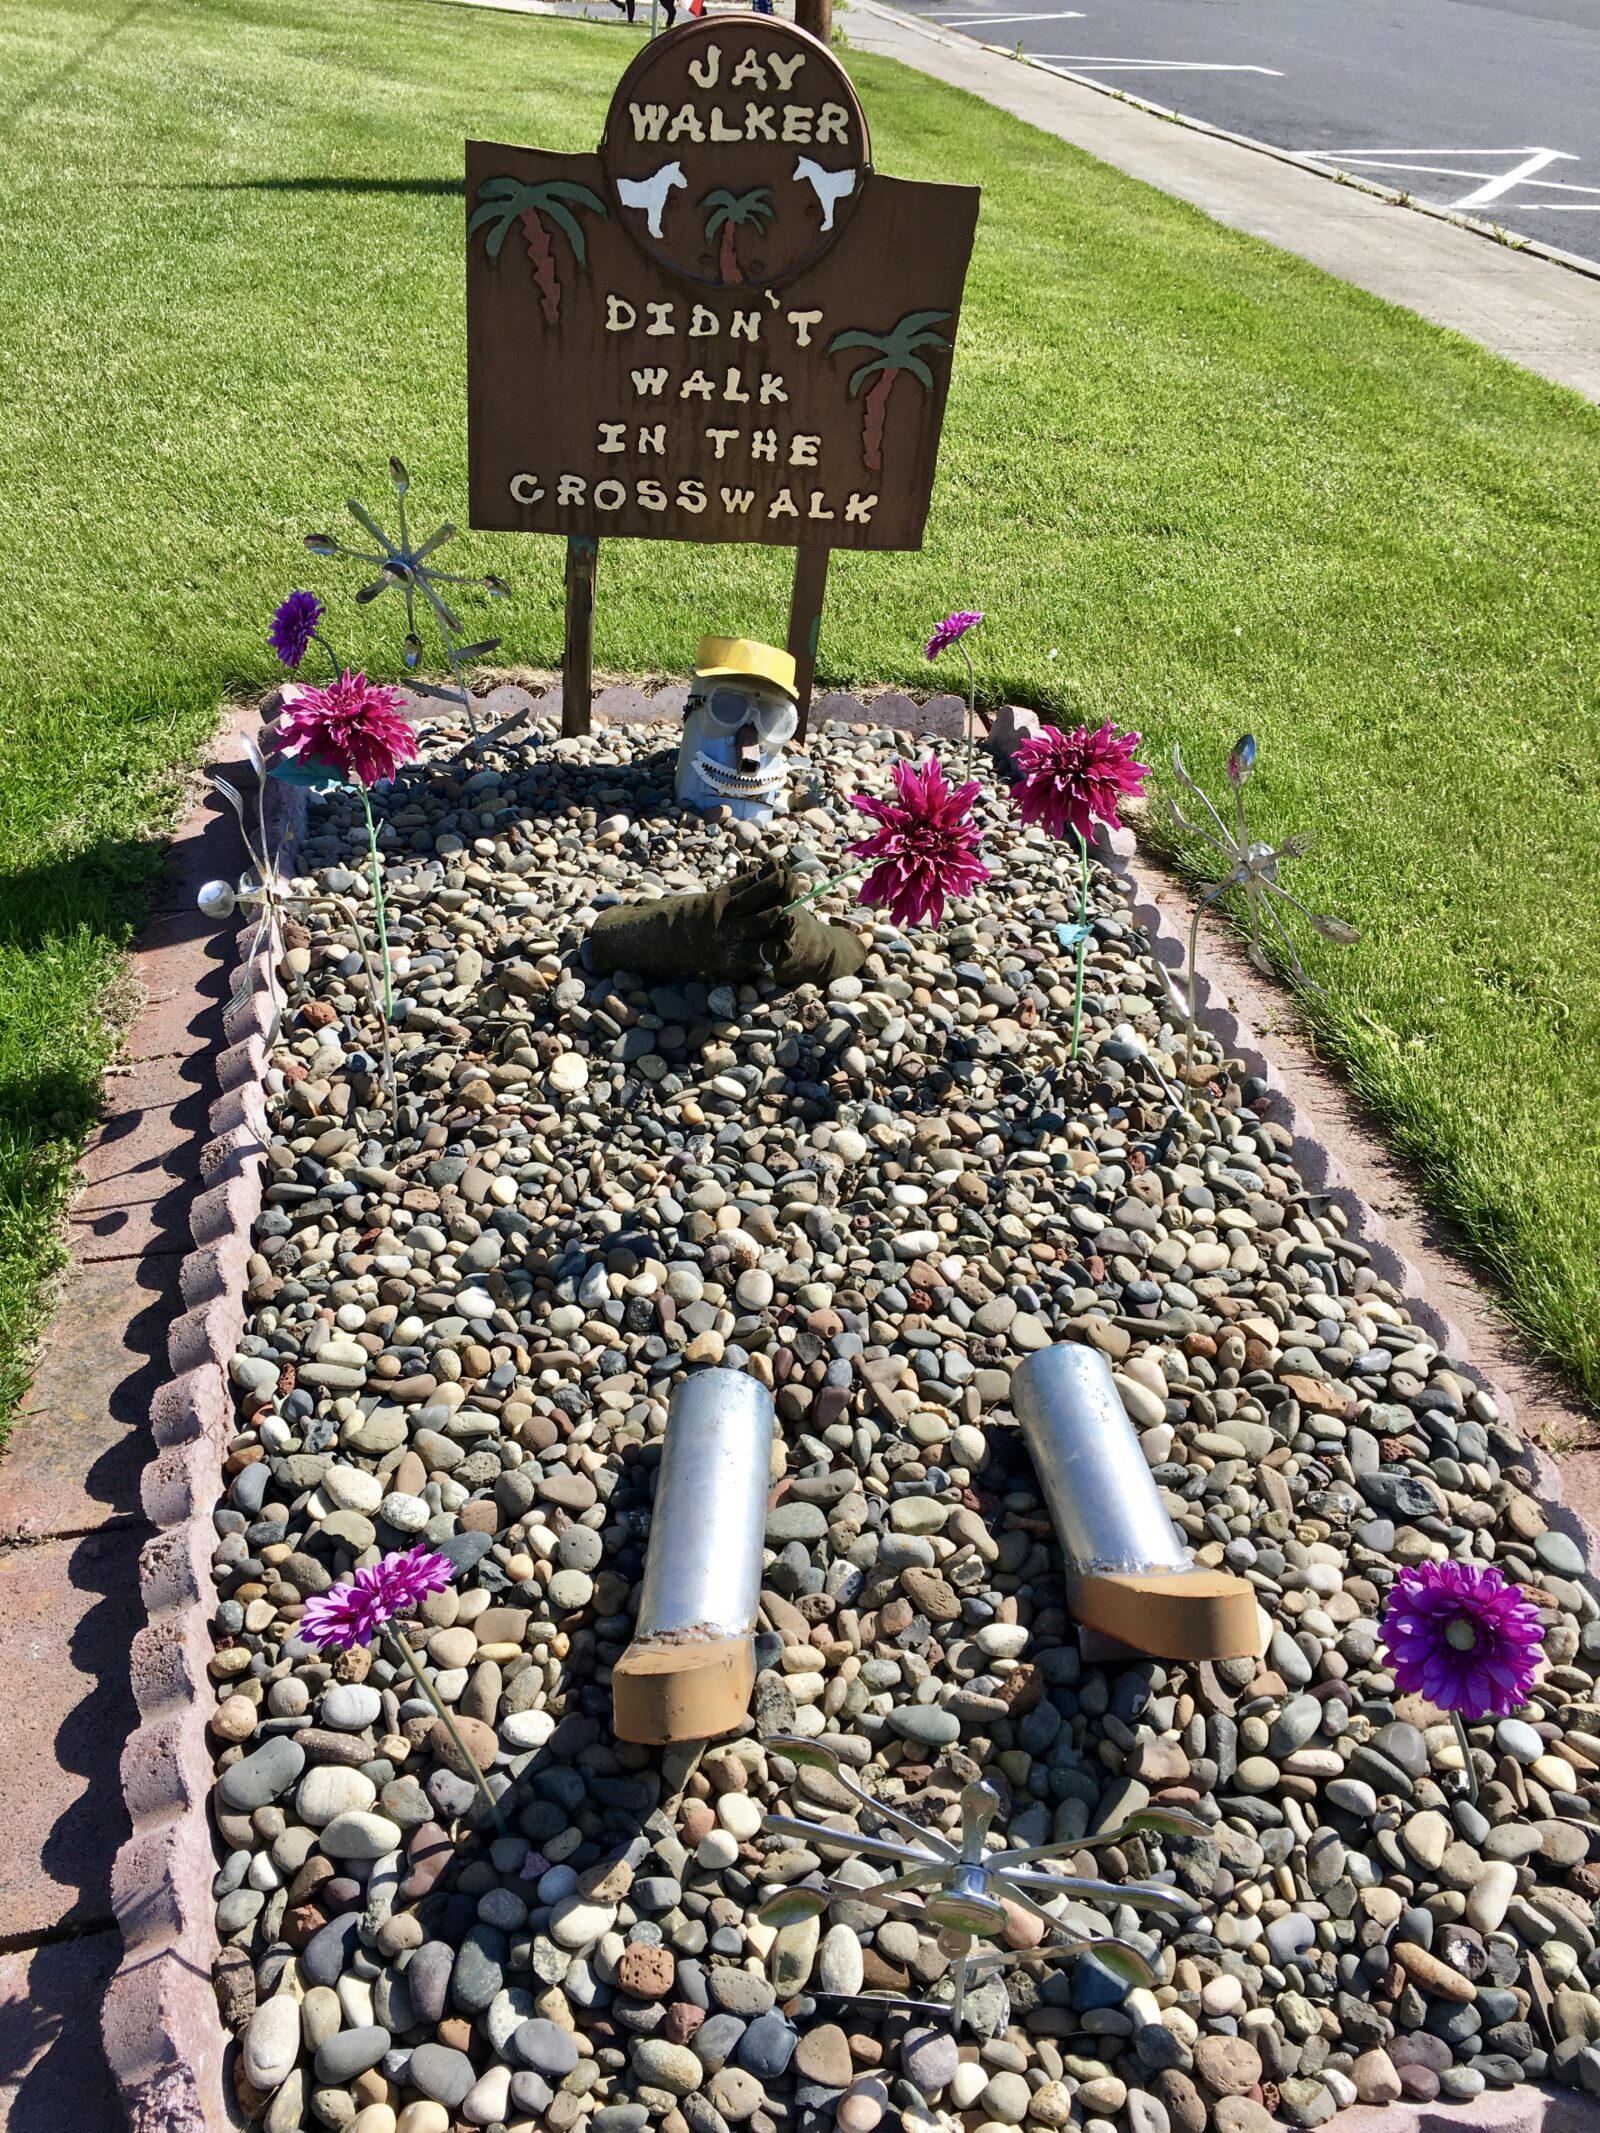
(164, 2038)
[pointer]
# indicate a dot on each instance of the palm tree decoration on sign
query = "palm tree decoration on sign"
(504, 201)
(729, 212)
(894, 352)
(962, 1888)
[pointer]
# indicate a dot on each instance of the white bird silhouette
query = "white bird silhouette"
(830, 186)
(651, 193)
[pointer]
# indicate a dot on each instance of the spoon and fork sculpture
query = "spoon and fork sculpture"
(962, 1889)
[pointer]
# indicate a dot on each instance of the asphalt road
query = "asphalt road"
(1489, 106)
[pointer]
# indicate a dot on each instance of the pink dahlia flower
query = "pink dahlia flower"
(354, 1610)
(927, 849)
(952, 629)
(1070, 781)
(354, 727)
(1461, 1636)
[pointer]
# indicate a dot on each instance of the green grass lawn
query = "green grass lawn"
(1223, 489)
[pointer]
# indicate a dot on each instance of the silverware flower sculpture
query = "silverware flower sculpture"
(263, 889)
(962, 1889)
(404, 563)
(1252, 867)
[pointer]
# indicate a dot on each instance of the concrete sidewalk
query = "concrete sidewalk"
(1518, 304)
(71, 1522)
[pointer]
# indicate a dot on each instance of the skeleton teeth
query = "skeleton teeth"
(738, 784)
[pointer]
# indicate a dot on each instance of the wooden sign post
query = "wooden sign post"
(723, 326)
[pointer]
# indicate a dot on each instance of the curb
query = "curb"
(936, 33)
(164, 2037)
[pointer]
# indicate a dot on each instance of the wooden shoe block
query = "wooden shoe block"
(1172, 1614)
(665, 1689)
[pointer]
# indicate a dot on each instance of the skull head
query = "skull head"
(740, 713)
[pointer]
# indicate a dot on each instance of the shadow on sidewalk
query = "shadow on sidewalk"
(54, 2076)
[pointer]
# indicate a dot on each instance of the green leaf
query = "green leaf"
(579, 195)
(320, 777)
(497, 237)
(854, 338)
(564, 220)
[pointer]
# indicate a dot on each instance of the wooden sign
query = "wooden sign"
(723, 326)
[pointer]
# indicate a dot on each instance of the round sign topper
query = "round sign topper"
(736, 150)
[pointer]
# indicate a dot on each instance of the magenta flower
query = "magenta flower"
(354, 1610)
(294, 624)
(353, 727)
(927, 849)
(1461, 1636)
(1070, 781)
(952, 629)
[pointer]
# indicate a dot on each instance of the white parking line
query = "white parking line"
(1089, 63)
(1538, 159)
(1521, 174)
(958, 22)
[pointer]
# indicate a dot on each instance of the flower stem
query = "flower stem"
(1083, 941)
(377, 899)
(823, 887)
(318, 638)
(1466, 1756)
(1188, 1024)
(349, 911)
(449, 1724)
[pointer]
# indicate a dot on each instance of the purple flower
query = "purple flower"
(1070, 781)
(353, 727)
(294, 624)
(354, 1610)
(1461, 1636)
(952, 629)
(927, 849)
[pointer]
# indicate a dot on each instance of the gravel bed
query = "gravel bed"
(469, 1305)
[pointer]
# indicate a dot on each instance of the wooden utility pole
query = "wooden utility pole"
(815, 16)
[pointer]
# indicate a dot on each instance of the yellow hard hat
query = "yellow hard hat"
(742, 659)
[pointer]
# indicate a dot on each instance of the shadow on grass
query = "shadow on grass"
(74, 66)
(105, 888)
(428, 188)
